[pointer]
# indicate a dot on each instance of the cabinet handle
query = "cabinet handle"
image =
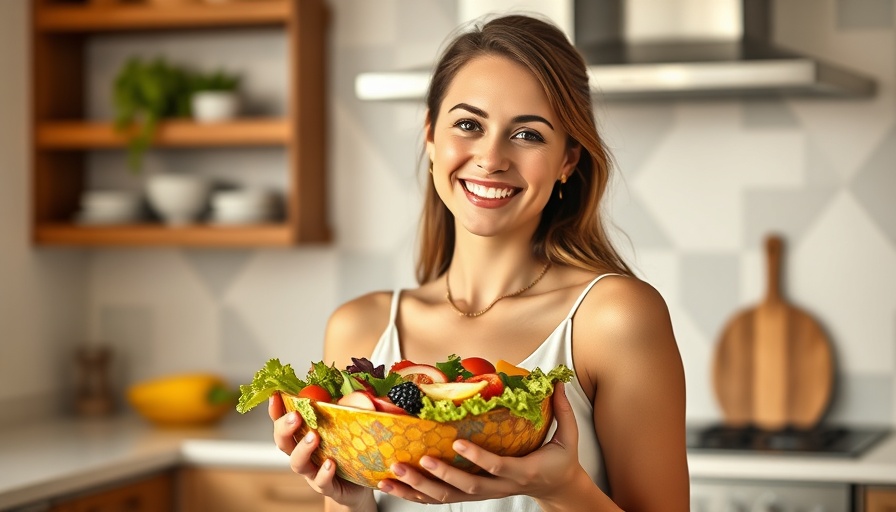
(291, 494)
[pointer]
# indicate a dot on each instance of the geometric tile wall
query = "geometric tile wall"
(700, 183)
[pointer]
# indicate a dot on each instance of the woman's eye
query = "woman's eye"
(467, 125)
(529, 135)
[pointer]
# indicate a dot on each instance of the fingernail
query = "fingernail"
(398, 470)
(327, 464)
(386, 487)
(428, 462)
(291, 418)
(459, 447)
(309, 438)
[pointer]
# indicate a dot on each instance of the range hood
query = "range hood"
(642, 49)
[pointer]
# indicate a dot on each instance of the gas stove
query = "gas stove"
(824, 440)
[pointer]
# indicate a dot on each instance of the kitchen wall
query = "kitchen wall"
(700, 183)
(42, 293)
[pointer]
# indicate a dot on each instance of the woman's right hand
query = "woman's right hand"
(322, 479)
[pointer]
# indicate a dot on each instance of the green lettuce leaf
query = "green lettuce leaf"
(327, 377)
(523, 398)
(272, 378)
(452, 368)
(303, 405)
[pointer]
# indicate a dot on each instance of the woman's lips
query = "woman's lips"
(488, 195)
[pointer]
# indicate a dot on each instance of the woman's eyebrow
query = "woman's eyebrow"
(526, 118)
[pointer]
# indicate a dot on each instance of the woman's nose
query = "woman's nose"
(491, 155)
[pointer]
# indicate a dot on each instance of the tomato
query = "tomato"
(477, 365)
(494, 388)
(315, 392)
(404, 363)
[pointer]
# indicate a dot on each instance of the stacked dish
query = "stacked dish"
(243, 206)
(108, 207)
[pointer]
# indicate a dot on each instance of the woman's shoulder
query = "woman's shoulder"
(355, 327)
(624, 308)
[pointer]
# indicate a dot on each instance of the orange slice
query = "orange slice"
(503, 366)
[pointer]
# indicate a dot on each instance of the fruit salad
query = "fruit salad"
(446, 391)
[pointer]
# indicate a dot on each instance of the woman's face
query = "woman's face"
(497, 148)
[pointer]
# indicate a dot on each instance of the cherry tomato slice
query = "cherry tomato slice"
(315, 392)
(494, 388)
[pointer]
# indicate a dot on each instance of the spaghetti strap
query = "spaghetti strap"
(585, 292)
(393, 310)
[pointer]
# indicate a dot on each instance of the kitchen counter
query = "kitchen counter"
(67, 455)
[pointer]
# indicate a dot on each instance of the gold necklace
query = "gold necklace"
(483, 311)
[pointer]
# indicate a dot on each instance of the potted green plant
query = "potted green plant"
(214, 96)
(144, 94)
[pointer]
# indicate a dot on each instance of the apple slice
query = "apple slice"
(383, 404)
(358, 400)
(422, 374)
(455, 391)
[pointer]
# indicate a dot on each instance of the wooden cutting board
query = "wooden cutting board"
(773, 366)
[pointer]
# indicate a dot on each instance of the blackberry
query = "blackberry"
(407, 396)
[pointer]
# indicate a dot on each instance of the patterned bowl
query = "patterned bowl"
(364, 444)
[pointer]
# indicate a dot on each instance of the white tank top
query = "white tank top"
(555, 350)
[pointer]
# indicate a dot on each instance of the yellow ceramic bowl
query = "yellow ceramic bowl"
(365, 444)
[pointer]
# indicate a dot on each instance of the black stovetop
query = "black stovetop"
(825, 440)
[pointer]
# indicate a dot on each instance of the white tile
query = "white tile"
(844, 273)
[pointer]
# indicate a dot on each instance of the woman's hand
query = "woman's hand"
(543, 474)
(322, 479)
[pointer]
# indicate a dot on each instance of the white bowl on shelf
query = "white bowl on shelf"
(178, 199)
(214, 106)
(109, 207)
(244, 206)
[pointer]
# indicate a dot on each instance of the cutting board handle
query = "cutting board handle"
(774, 246)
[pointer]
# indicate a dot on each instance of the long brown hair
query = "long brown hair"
(570, 231)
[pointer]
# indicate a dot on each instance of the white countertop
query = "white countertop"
(60, 456)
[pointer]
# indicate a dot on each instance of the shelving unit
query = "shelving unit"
(61, 137)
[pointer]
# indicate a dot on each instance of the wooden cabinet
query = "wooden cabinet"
(239, 490)
(62, 137)
(152, 494)
(880, 499)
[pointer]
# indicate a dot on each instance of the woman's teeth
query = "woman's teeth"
(488, 192)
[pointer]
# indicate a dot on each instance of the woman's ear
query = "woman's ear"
(427, 134)
(573, 153)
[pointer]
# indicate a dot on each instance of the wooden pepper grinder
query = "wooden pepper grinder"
(94, 395)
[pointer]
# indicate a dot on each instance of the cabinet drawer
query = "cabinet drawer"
(880, 499)
(153, 494)
(238, 490)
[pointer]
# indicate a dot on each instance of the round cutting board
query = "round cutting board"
(773, 367)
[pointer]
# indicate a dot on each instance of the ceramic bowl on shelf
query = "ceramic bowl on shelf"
(365, 444)
(214, 106)
(243, 206)
(178, 198)
(109, 207)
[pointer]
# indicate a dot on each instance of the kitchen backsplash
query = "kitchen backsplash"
(700, 183)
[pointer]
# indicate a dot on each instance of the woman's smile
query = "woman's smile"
(488, 195)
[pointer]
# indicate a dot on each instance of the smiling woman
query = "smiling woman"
(515, 265)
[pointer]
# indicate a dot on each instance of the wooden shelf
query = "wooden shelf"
(142, 235)
(61, 139)
(175, 133)
(86, 18)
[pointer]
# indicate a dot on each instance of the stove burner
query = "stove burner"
(823, 440)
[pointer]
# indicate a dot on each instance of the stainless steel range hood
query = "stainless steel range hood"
(642, 49)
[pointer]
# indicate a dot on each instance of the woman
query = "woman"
(515, 264)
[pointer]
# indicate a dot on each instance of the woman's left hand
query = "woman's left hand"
(541, 474)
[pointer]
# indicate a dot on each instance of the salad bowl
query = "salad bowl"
(364, 444)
